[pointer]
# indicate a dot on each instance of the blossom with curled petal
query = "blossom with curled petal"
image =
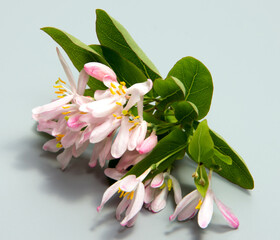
(132, 190)
(156, 192)
(193, 203)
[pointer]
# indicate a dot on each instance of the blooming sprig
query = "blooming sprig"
(139, 124)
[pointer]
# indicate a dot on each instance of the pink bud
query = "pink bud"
(148, 144)
(100, 71)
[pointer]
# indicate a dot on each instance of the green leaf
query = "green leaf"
(89, 92)
(78, 52)
(168, 149)
(113, 35)
(197, 81)
(170, 90)
(237, 172)
(201, 181)
(225, 158)
(201, 146)
(185, 112)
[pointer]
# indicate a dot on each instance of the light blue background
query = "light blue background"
(239, 41)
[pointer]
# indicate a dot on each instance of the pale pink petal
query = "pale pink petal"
(143, 131)
(127, 160)
(108, 194)
(101, 94)
(105, 150)
(64, 158)
(157, 180)
(103, 130)
(95, 153)
(228, 215)
(144, 175)
(206, 211)
(46, 125)
(82, 82)
(149, 194)
(114, 173)
(51, 146)
(122, 207)
(132, 221)
(159, 202)
(129, 183)
(176, 189)
(99, 71)
(78, 151)
(136, 204)
(69, 139)
(75, 124)
(53, 105)
(148, 144)
(140, 107)
(189, 211)
(67, 71)
(184, 203)
(134, 134)
(120, 144)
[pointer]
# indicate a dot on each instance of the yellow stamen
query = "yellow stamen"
(119, 190)
(65, 107)
(120, 117)
(122, 83)
(124, 112)
(131, 128)
(169, 184)
(114, 115)
(58, 139)
(121, 194)
(58, 86)
(131, 195)
(199, 204)
(162, 186)
(124, 92)
(64, 113)
(60, 135)
(131, 121)
(118, 92)
(60, 96)
(58, 145)
(66, 118)
(126, 194)
(119, 103)
(58, 92)
(111, 90)
(59, 79)
(62, 90)
(136, 123)
(113, 85)
(136, 117)
(83, 112)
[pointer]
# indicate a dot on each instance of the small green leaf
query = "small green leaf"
(201, 146)
(225, 158)
(197, 81)
(185, 112)
(237, 172)
(78, 52)
(170, 90)
(113, 35)
(89, 92)
(168, 149)
(201, 181)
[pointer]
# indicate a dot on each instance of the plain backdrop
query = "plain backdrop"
(239, 42)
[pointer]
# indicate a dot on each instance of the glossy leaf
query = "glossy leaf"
(197, 81)
(237, 172)
(170, 90)
(201, 146)
(168, 149)
(185, 112)
(78, 52)
(113, 35)
(225, 158)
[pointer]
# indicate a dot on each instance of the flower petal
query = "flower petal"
(131, 222)
(148, 144)
(136, 204)
(82, 82)
(176, 189)
(149, 194)
(159, 202)
(129, 183)
(67, 71)
(114, 173)
(157, 180)
(228, 215)
(69, 139)
(51, 146)
(206, 211)
(101, 94)
(189, 211)
(122, 207)
(95, 153)
(127, 160)
(99, 71)
(184, 203)
(64, 158)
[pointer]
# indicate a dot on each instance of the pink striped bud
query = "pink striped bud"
(148, 144)
(100, 71)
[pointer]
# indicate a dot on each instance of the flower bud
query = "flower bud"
(148, 144)
(100, 71)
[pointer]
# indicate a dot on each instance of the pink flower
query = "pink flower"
(148, 144)
(193, 202)
(156, 192)
(132, 190)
